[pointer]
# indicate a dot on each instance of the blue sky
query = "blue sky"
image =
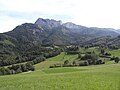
(91, 13)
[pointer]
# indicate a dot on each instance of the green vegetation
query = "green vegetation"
(15, 69)
(59, 60)
(98, 77)
(114, 52)
(62, 70)
(93, 77)
(48, 56)
(35, 55)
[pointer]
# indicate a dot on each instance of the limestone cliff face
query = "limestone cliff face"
(48, 23)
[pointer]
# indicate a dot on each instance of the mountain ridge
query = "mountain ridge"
(30, 37)
(48, 32)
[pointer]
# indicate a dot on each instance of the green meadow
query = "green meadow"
(97, 77)
(94, 77)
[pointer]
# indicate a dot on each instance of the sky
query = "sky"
(90, 13)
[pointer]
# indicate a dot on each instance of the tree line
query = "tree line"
(15, 69)
(33, 56)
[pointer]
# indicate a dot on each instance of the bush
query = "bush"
(91, 56)
(116, 59)
(2, 71)
(66, 62)
(100, 62)
(103, 63)
(84, 64)
(18, 71)
(55, 66)
(74, 63)
(72, 50)
(79, 55)
(51, 66)
(5, 71)
(107, 54)
(112, 58)
(15, 69)
(30, 67)
(8, 71)
(23, 68)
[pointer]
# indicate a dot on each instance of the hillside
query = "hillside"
(104, 76)
(46, 31)
(49, 55)
(28, 38)
(97, 77)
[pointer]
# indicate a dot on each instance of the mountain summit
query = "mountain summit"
(49, 23)
(48, 32)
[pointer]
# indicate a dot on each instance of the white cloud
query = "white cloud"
(92, 13)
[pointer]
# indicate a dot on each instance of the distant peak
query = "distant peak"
(71, 25)
(50, 23)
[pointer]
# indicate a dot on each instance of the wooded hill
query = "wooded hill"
(28, 41)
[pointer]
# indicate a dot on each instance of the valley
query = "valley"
(51, 55)
(95, 77)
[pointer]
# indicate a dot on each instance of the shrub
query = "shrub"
(116, 59)
(84, 64)
(74, 63)
(23, 68)
(66, 62)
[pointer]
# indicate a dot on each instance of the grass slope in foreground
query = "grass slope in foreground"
(97, 77)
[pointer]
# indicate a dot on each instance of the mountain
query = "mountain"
(117, 31)
(30, 39)
(92, 31)
(47, 23)
(48, 32)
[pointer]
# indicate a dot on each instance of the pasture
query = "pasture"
(93, 77)
(96, 77)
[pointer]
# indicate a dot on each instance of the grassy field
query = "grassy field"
(56, 60)
(95, 77)
(95, 49)
(115, 52)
